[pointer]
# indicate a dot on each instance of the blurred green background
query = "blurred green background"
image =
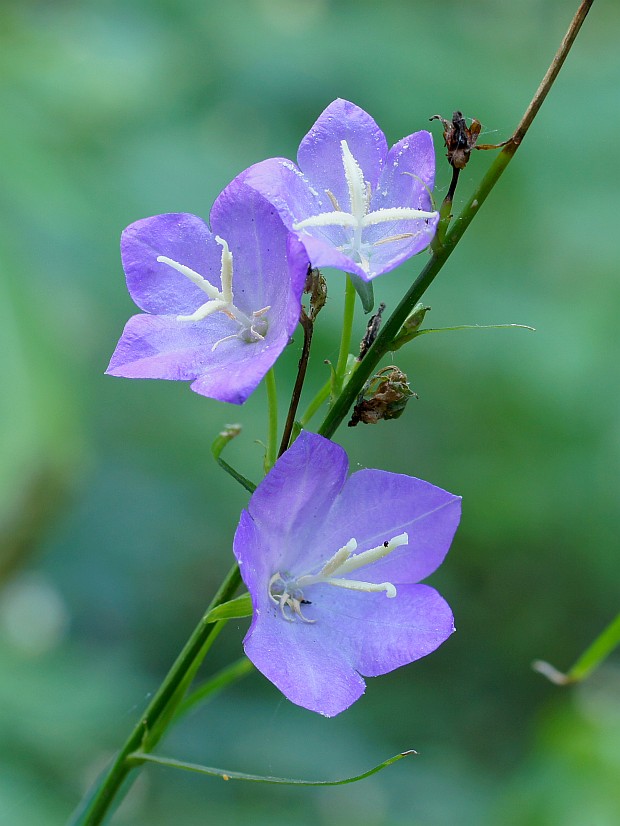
(115, 525)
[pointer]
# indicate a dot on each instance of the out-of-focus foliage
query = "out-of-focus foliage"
(116, 524)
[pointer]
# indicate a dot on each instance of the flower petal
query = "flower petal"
(375, 505)
(284, 186)
(267, 271)
(408, 175)
(157, 287)
(236, 368)
(160, 347)
(291, 503)
(320, 152)
(389, 249)
(378, 634)
(294, 656)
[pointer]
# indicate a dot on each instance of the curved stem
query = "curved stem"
(95, 806)
(442, 252)
(345, 339)
(272, 427)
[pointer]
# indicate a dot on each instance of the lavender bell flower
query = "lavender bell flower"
(221, 303)
(333, 567)
(355, 206)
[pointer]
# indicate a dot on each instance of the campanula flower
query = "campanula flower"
(355, 205)
(220, 304)
(333, 569)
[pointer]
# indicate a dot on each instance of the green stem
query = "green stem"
(591, 658)
(94, 808)
(316, 403)
(345, 399)
(217, 683)
(345, 339)
(230, 432)
(159, 729)
(272, 427)
(307, 324)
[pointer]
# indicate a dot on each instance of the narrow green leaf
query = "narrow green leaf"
(404, 337)
(226, 435)
(143, 757)
(220, 681)
(592, 657)
(236, 608)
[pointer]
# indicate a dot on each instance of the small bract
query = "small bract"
(333, 568)
(355, 206)
(220, 303)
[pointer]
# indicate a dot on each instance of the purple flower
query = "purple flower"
(221, 303)
(332, 566)
(355, 206)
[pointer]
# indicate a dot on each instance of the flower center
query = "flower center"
(252, 327)
(360, 217)
(288, 592)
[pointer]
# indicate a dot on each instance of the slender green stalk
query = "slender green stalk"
(272, 426)
(592, 657)
(345, 339)
(230, 432)
(159, 729)
(225, 774)
(220, 681)
(316, 403)
(95, 806)
(307, 324)
(442, 252)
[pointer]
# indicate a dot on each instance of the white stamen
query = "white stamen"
(338, 558)
(354, 585)
(373, 554)
(334, 200)
(390, 238)
(287, 592)
(252, 328)
(226, 338)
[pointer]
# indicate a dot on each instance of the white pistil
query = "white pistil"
(360, 215)
(287, 592)
(358, 188)
(252, 328)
